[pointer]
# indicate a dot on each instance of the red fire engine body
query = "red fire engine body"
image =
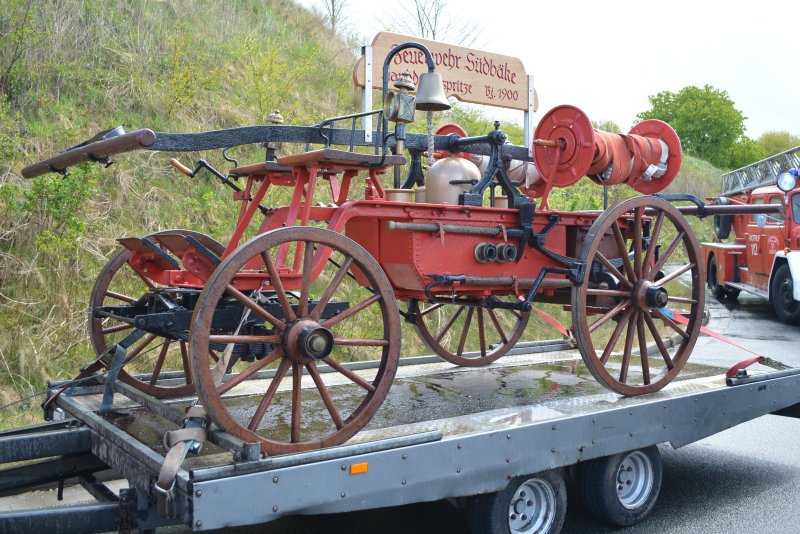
(764, 257)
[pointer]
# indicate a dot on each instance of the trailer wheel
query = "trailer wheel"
(781, 294)
(633, 241)
(471, 336)
(721, 292)
(119, 284)
(621, 489)
(723, 223)
(311, 299)
(530, 504)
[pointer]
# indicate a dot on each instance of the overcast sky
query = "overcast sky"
(607, 57)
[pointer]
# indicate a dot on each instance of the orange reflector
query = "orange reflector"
(358, 469)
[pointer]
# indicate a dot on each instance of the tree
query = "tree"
(706, 120)
(744, 152)
(606, 126)
(334, 13)
(776, 142)
(428, 19)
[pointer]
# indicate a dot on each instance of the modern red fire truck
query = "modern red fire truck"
(764, 257)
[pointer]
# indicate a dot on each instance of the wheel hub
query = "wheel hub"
(647, 295)
(305, 340)
(532, 507)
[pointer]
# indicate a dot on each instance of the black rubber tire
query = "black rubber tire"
(780, 295)
(723, 223)
(492, 513)
(721, 292)
(606, 496)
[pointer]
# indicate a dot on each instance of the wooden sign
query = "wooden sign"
(469, 75)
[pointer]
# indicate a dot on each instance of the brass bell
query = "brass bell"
(430, 93)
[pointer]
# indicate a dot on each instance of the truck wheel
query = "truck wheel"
(781, 294)
(621, 489)
(721, 292)
(530, 504)
(723, 223)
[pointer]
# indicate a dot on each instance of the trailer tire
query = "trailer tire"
(780, 294)
(530, 504)
(723, 223)
(621, 489)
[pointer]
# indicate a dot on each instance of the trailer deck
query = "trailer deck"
(443, 432)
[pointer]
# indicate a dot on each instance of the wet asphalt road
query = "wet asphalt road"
(746, 479)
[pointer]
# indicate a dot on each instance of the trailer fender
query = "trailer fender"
(791, 257)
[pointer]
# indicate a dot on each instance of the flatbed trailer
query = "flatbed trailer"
(444, 432)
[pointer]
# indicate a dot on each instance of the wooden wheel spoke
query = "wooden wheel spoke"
(297, 377)
(266, 400)
(250, 371)
(609, 315)
(623, 253)
(131, 354)
(349, 312)
(667, 253)
(213, 356)
(659, 342)
(649, 256)
(349, 342)
(672, 324)
(117, 328)
(120, 297)
(277, 283)
(325, 394)
(615, 335)
(640, 331)
(331, 289)
(497, 326)
(243, 339)
(187, 368)
(349, 374)
(465, 331)
(449, 324)
(254, 307)
(159, 362)
(608, 293)
(637, 242)
(675, 274)
(613, 270)
(626, 354)
(481, 333)
(305, 284)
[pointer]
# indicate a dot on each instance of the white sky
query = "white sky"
(606, 57)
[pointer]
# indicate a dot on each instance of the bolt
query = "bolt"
(199, 493)
(405, 456)
(553, 449)
(198, 523)
(553, 427)
(508, 460)
(458, 446)
(508, 436)
(342, 495)
(630, 434)
(403, 482)
(275, 480)
(344, 468)
(274, 508)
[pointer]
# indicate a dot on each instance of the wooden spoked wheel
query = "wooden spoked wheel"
(331, 302)
(643, 287)
(471, 336)
(120, 285)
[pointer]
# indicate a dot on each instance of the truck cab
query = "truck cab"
(762, 256)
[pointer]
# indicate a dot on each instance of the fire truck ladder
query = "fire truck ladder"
(760, 173)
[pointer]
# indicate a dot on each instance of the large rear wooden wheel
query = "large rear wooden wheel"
(118, 284)
(643, 286)
(329, 302)
(465, 335)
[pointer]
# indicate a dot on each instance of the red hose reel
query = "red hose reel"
(567, 148)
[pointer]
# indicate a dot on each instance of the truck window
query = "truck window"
(757, 200)
(796, 208)
(776, 218)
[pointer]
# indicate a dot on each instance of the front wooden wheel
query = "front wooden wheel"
(470, 336)
(311, 299)
(643, 286)
(118, 284)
